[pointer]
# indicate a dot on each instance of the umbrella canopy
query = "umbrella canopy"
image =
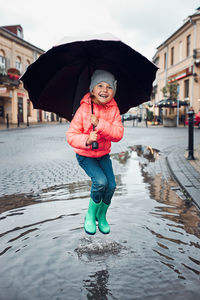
(59, 78)
(164, 103)
(171, 103)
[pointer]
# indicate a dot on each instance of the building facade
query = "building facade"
(16, 55)
(178, 59)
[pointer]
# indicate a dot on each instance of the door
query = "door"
(20, 110)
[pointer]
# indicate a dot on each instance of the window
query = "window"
(180, 51)
(18, 64)
(172, 56)
(188, 45)
(27, 63)
(165, 60)
(2, 61)
(178, 91)
(35, 55)
(186, 88)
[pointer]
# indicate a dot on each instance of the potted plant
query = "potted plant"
(169, 120)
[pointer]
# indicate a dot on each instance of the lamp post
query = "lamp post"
(177, 113)
(191, 135)
(7, 120)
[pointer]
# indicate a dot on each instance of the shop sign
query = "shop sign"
(20, 94)
(186, 72)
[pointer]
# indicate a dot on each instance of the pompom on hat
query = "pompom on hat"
(105, 76)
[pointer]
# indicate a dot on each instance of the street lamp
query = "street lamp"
(178, 91)
(191, 135)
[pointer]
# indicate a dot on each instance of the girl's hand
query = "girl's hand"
(92, 138)
(94, 120)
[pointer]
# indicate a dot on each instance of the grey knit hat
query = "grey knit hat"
(105, 76)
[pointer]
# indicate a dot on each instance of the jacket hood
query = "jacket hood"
(87, 100)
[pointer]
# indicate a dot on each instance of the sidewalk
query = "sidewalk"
(24, 125)
(186, 172)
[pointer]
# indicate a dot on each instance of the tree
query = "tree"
(170, 90)
(149, 115)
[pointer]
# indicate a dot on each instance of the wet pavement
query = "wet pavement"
(153, 250)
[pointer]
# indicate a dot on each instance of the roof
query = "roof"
(7, 33)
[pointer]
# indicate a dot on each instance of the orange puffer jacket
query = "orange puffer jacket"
(109, 128)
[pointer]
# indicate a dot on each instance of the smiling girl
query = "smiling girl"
(106, 121)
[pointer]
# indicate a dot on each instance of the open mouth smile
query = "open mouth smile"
(103, 96)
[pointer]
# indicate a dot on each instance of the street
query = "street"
(153, 249)
(37, 158)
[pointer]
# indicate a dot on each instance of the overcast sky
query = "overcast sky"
(143, 24)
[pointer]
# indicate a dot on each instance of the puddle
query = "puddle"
(152, 251)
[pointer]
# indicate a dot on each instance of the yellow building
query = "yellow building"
(15, 56)
(178, 59)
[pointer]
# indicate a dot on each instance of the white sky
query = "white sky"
(142, 24)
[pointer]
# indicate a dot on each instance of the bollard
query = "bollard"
(190, 135)
(27, 121)
(7, 121)
(18, 122)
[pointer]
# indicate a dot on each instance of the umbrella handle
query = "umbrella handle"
(95, 145)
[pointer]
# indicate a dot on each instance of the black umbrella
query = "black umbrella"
(171, 103)
(164, 103)
(179, 103)
(59, 78)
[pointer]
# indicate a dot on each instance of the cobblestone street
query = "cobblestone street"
(36, 158)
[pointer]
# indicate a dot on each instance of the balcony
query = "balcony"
(6, 80)
(10, 78)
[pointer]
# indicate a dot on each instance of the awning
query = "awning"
(172, 103)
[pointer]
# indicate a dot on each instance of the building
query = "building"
(178, 59)
(15, 56)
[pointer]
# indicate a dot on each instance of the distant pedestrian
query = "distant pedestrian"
(191, 109)
(107, 125)
(146, 122)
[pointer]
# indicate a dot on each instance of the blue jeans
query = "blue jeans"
(101, 173)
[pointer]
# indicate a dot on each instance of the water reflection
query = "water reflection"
(68, 191)
(174, 212)
(145, 152)
(10, 202)
(151, 154)
(177, 209)
(97, 286)
(153, 249)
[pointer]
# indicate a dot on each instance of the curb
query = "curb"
(185, 175)
(32, 125)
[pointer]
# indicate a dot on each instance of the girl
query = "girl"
(107, 125)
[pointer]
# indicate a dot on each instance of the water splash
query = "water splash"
(95, 249)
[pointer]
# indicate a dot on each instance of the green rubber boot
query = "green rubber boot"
(101, 218)
(90, 218)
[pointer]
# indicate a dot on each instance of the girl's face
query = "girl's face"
(103, 92)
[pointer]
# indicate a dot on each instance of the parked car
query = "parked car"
(196, 120)
(128, 117)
